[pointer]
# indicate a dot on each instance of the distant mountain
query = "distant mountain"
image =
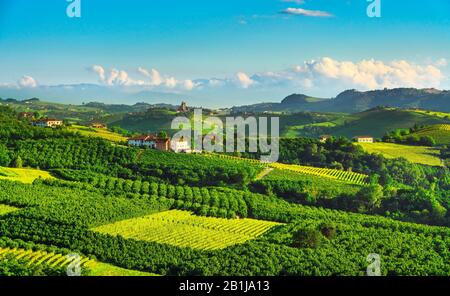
(85, 92)
(352, 101)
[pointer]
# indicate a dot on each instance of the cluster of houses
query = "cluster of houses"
(162, 144)
(358, 139)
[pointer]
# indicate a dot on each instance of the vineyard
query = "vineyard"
(181, 228)
(349, 177)
(42, 258)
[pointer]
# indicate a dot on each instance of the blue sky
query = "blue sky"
(239, 50)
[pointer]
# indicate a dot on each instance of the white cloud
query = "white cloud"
(244, 80)
(189, 85)
(371, 74)
(100, 72)
(306, 12)
(27, 82)
(153, 74)
(441, 63)
(322, 75)
(171, 82)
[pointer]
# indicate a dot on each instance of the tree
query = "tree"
(307, 238)
(5, 160)
(18, 163)
(328, 230)
(369, 197)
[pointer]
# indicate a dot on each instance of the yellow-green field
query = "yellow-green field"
(23, 175)
(98, 133)
(415, 154)
(183, 229)
(5, 209)
(104, 269)
(432, 113)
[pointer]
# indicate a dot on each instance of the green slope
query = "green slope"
(440, 133)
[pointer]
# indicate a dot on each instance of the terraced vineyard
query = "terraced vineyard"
(181, 228)
(349, 177)
(42, 258)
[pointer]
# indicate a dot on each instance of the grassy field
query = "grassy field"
(415, 154)
(439, 132)
(5, 209)
(183, 229)
(104, 269)
(22, 175)
(98, 133)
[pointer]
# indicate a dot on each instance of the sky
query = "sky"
(223, 53)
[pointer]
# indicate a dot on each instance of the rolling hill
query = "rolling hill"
(351, 101)
(375, 122)
(439, 132)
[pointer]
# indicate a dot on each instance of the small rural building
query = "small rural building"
(98, 125)
(324, 138)
(47, 122)
(181, 146)
(143, 141)
(24, 115)
(153, 142)
(163, 144)
(364, 139)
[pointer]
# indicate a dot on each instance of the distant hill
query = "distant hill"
(375, 122)
(352, 101)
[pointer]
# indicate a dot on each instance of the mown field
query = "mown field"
(182, 229)
(98, 133)
(5, 209)
(414, 154)
(23, 175)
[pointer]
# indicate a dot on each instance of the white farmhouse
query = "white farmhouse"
(143, 141)
(47, 122)
(364, 139)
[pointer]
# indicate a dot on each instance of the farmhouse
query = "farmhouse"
(143, 141)
(364, 139)
(98, 125)
(153, 142)
(324, 138)
(23, 115)
(181, 146)
(47, 122)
